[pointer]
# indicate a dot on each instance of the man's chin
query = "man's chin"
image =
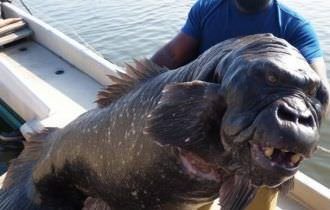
(252, 6)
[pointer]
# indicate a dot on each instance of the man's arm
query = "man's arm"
(319, 67)
(184, 47)
(178, 52)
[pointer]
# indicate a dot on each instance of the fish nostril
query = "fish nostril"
(286, 114)
(307, 121)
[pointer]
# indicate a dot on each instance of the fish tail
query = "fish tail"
(18, 190)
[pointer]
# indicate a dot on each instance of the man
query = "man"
(212, 21)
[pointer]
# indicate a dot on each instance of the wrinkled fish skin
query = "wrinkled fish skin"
(131, 166)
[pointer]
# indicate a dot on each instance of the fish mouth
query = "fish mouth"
(276, 159)
(197, 168)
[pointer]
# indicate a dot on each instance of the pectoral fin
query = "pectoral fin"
(186, 114)
(236, 193)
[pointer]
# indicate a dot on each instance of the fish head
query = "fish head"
(249, 121)
(255, 112)
(274, 105)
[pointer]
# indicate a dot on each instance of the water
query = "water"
(124, 29)
(118, 29)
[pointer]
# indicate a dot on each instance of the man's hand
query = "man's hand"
(319, 66)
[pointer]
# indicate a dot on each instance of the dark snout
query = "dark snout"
(285, 133)
(301, 118)
(288, 124)
(297, 125)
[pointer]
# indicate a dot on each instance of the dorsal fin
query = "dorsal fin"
(125, 81)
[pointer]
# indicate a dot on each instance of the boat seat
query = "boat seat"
(42, 88)
(12, 30)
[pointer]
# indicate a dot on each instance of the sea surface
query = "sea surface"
(120, 30)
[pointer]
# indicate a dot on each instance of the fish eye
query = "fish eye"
(271, 78)
(312, 91)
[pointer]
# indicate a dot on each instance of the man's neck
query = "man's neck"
(240, 8)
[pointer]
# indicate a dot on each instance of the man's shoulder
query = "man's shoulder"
(209, 4)
(289, 14)
(299, 32)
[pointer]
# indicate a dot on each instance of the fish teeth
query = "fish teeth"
(268, 151)
(295, 158)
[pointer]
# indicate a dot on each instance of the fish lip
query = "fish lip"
(261, 160)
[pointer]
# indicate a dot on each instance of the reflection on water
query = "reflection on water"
(126, 29)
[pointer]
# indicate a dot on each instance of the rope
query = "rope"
(26, 7)
(323, 149)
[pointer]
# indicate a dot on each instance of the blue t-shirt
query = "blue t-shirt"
(213, 21)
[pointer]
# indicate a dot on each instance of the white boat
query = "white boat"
(49, 79)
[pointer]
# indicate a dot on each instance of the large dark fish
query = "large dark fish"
(242, 115)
